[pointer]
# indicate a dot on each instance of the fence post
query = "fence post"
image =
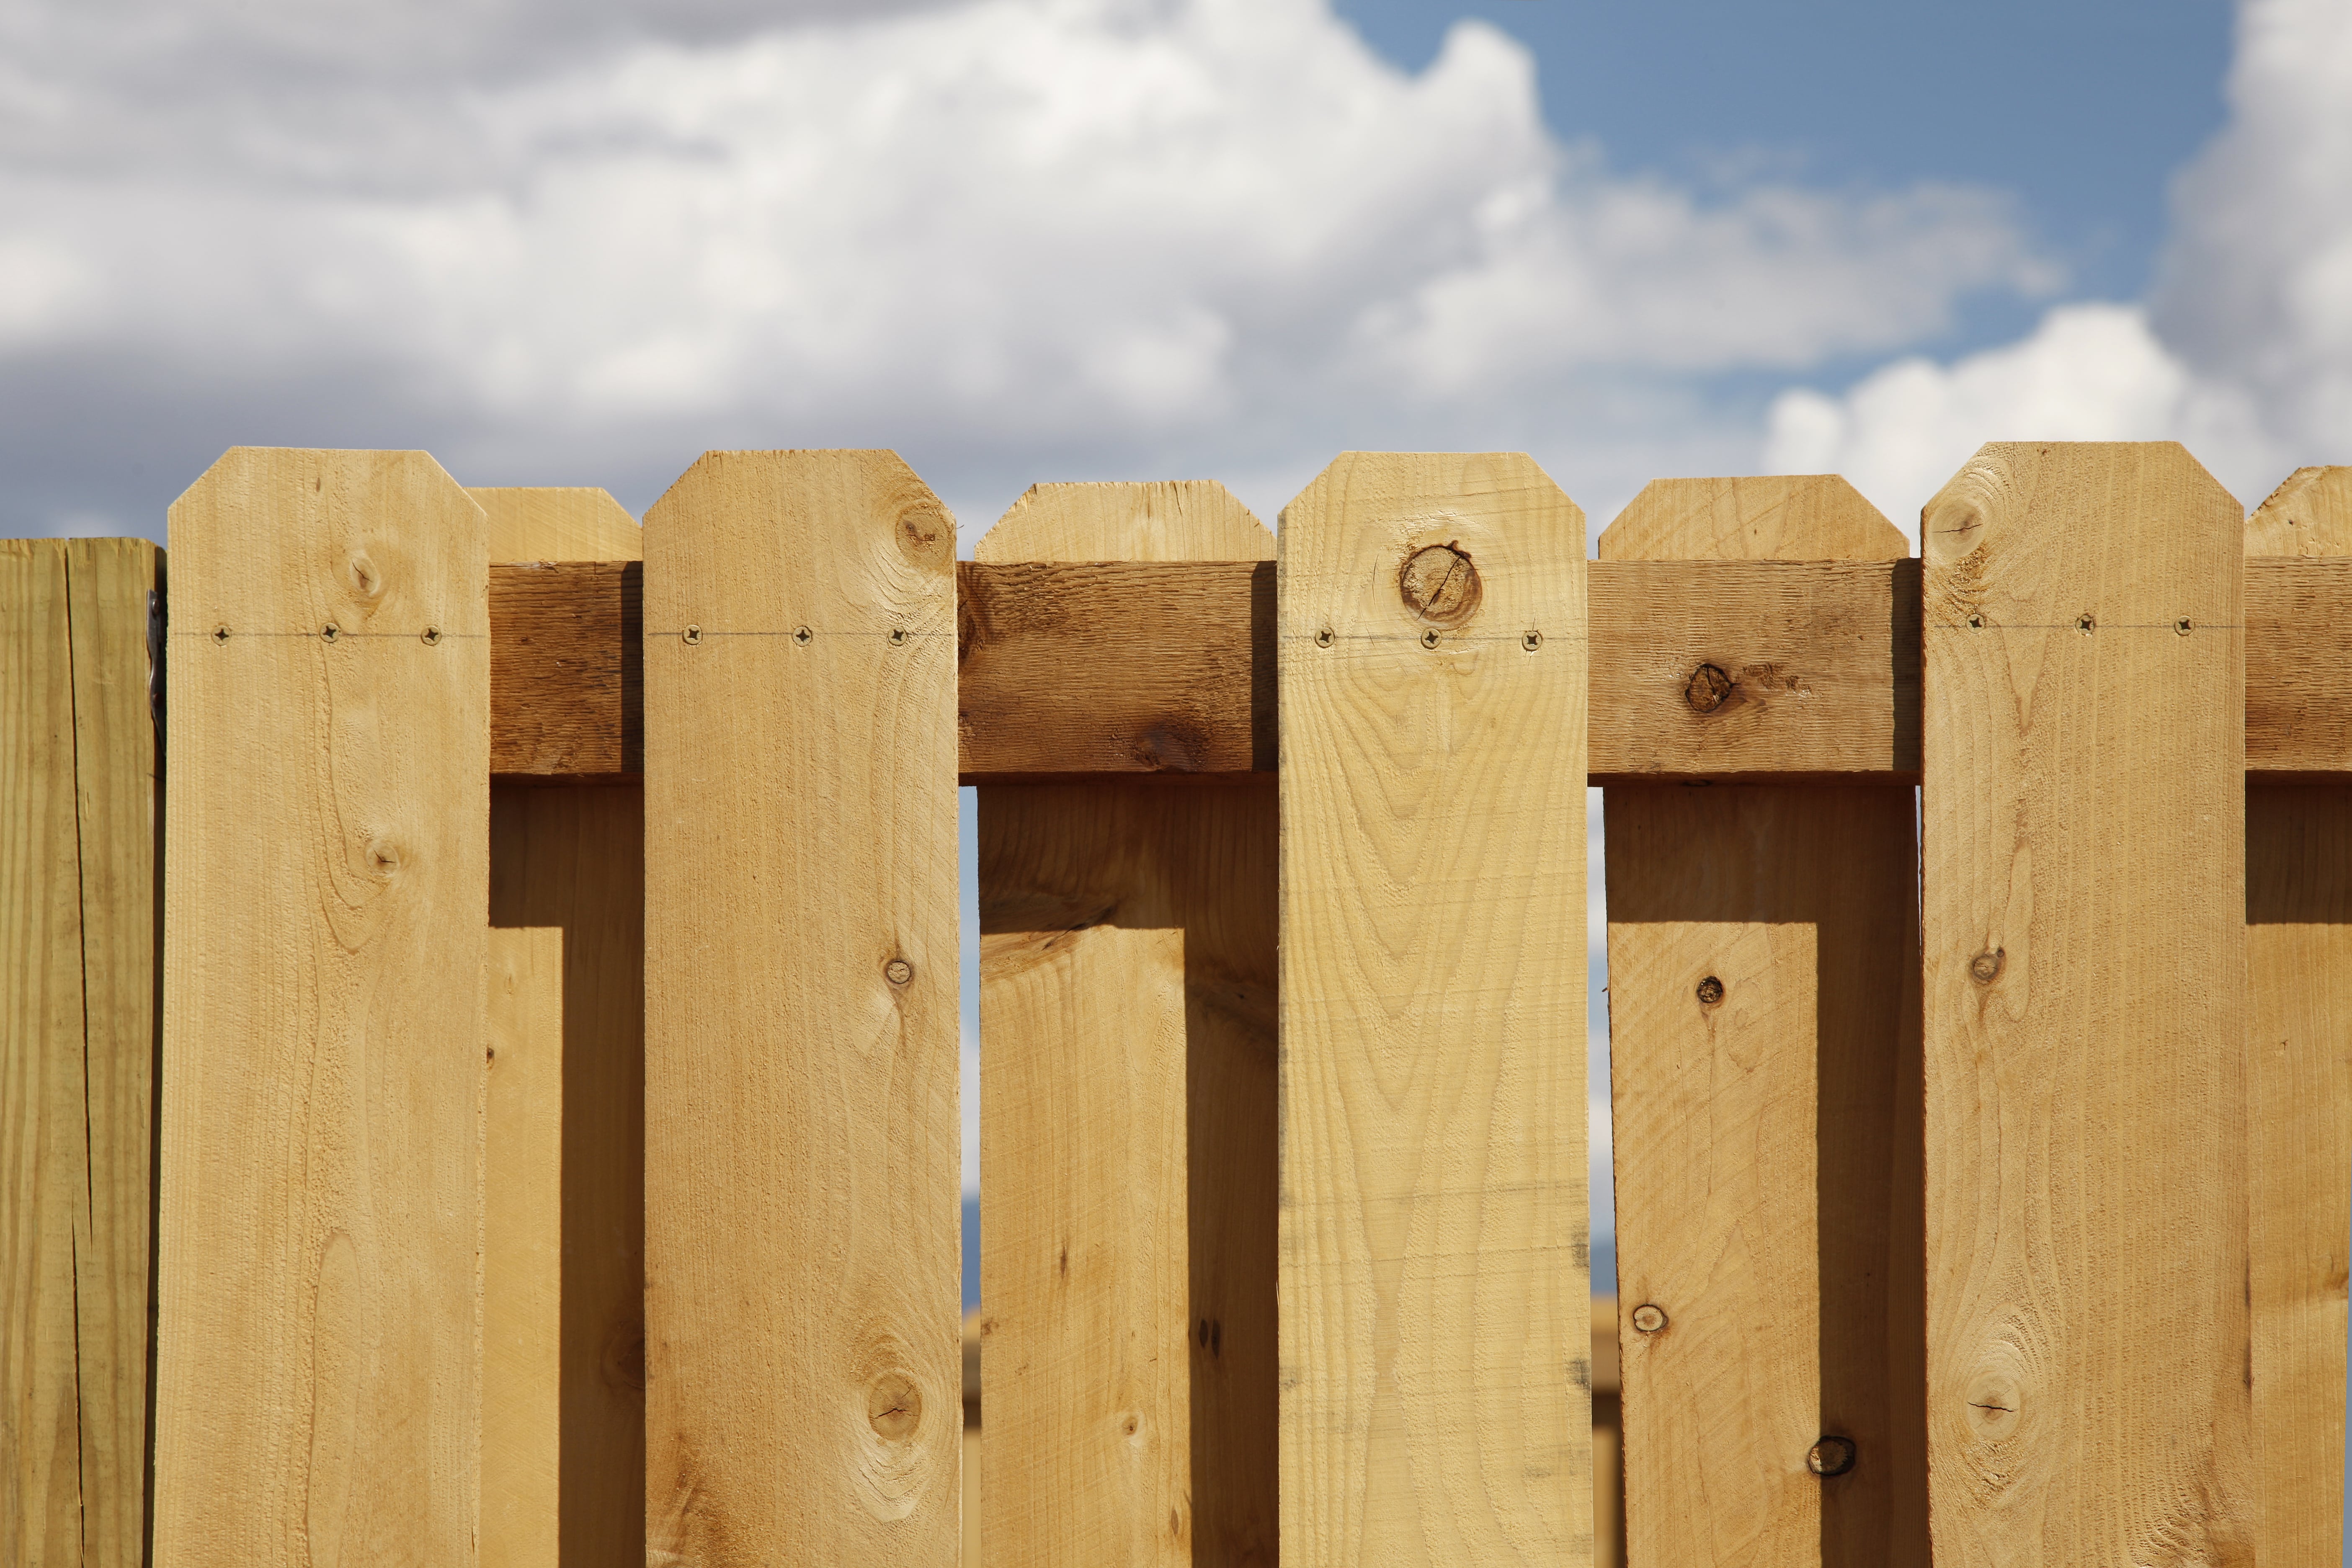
(572, 857)
(2299, 1039)
(1127, 1135)
(2082, 812)
(317, 1384)
(1764, 1039)
(802, 1141)
(1435, 1299)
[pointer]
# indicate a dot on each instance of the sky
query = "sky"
(1021, 240)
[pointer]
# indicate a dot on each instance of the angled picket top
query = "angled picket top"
(1763, 1018)
(1128, 1126)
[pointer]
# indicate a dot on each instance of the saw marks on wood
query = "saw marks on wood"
(802, 1156)
(318, 1390)
(1435, 1377)
(2086, 1011)
(1127, 1122)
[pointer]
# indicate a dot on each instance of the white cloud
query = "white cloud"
(1014, 237)
(2244, 353)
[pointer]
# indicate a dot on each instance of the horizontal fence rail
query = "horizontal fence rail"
(405, 1162)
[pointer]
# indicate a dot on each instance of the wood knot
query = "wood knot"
(1709, 686)
(1440, 584)
(1710, 992)
(1985, 967)
(1649, 1317)
(894, 1406)
(1831, 1457)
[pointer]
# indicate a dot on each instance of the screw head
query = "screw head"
(800, 635)
(1976, 623)
(220, 634)
(1831, 1457)
(2084, 623)
(1710, 992)
(899, 972)
(1324, 636)
(898, 637)
(1429, 638)
(1649, 1319)
(2182, 625)
(432, 636)
(691, 636)
(1531, 641)
(330, 631)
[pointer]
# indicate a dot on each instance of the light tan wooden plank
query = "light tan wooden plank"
(112, 582)
(547, 523)
(43, 1173)
(1434, 1292)
(2083, 834)
(522, 1250)
(2299, 1039)
(802, 1160)
(1111, 913)
(317, 1394)
(1783, 1263)
(573, 858)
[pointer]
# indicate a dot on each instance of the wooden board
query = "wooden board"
(1767, 1141)
(522, 1251)
(2299, 1038)
(802, 1141)
(567, 672)
(573, 858)
(1128, 1121)
(111, 583)
(1435, 1364)
(326, 891)
(549, 522)
(44, 1173)
(2083, 818)
(2298, 684)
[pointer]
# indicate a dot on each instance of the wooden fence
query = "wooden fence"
(542, 1175)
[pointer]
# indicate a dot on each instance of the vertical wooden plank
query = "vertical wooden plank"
(2083, 811)
(111, 582)
(326, 888)
(572, 858)
(802, 1143)
(522, 1250)
(1767, 1140)
(1435, 1289)
(1128, 1121)
(2299, 1039)
(43, 1156)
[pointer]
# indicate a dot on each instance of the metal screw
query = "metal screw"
(1429, 639)
(899, 972)
(898, 637)
(692, 636)
(1323, 637)
(2084, 623)
(1831, 1457)
(1710, 991)
(432, 636)
(1531, 641)
(1649, 1319)
(330, 631)
(2182, 625)
(1976, 623)
(800, 635)
(220, 634)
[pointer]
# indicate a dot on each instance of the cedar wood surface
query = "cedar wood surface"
(1435, 1296)
(573, 858)
(1078, 670)
(2083, 876)
(1767, 1141)
(318, 1381)
(2299, 1035)
(802, 1137)
(1127, 1123)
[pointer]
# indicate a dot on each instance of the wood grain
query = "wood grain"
(44, 1171)
(522, 1251)
(1435, 1308)
(574, 860)
(567, 672)
(2299, 1039)
(326, 889)
(2299, 674)
(2085, 1014)
(118, 771)
(1767, 1141)
(551, 522)
(1127, 940)
(802, 1139)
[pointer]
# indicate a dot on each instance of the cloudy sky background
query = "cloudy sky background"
(1052, 239)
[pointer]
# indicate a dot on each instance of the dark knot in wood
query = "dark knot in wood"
(1709, 686)
(1440, 584)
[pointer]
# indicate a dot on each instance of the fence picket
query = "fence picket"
(573, 858)
(318, 1383)
(2084, 979)
(1127, 1129)
(801, 1156)
(1435, 1310)
(1766, 1140)
(2299, 1035)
